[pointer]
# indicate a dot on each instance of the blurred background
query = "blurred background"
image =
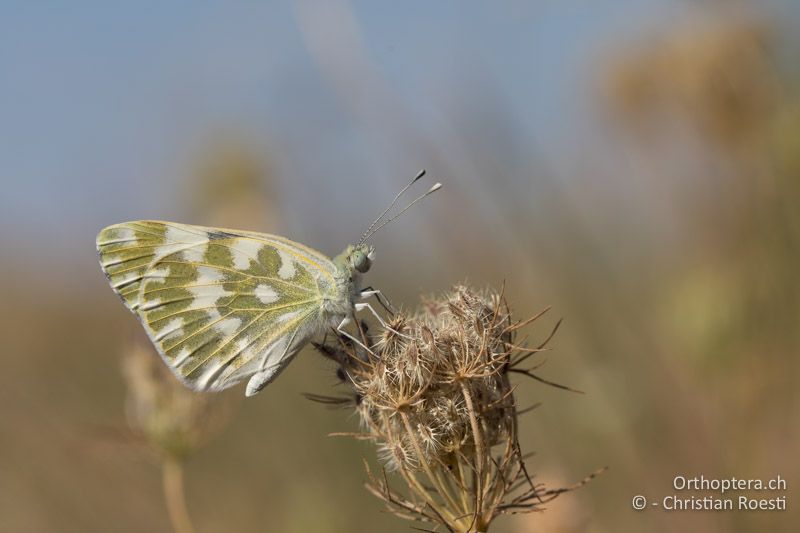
(634, 164)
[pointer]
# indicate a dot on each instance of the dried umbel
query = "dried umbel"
(433, 393)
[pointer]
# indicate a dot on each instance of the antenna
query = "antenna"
(403, 190)
(371, 232)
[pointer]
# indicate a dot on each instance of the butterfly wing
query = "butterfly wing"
(219, 305)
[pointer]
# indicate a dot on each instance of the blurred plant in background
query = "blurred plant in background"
(171, 419)
(734, 298)
(720, 75)
(233, 186)
(713, 109)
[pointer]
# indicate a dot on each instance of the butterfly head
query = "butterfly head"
(361, 257)
(357, 258)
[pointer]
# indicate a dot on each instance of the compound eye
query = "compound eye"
(361, 262)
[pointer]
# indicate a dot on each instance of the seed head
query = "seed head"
(433, 392)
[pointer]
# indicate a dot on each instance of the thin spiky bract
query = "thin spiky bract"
(434, 395)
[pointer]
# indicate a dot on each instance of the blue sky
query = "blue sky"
(103, 104)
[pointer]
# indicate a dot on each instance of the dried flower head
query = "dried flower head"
(433, 392)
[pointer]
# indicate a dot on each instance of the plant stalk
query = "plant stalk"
(175, 496)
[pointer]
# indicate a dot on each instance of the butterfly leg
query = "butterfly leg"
(340, 329)
(362, 306)
(382, 299)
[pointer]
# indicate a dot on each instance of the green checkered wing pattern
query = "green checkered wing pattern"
(219, 305)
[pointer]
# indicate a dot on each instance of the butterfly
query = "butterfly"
(222, 306)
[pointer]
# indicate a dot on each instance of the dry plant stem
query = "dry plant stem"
(477, 435)
(174, 495)
(463, 493)
(412, 481)
(436, 480)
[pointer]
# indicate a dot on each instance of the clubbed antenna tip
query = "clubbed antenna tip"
(372, 227)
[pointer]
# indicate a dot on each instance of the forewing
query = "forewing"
(219, 305)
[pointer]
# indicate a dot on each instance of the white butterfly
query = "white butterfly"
(224, 305)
